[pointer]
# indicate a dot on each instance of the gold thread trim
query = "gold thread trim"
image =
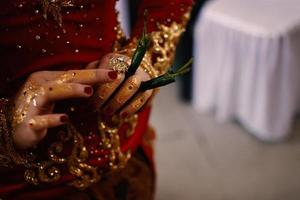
(77, 163)
(164, 42)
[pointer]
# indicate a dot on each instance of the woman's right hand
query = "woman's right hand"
(34, 103)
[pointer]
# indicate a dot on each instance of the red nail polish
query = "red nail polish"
(88, 90)
(64, 118)
(113, 74)
(124, 114)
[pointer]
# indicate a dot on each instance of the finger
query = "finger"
(150, 100)
(128, 89)
(104, 91)
(41, 122)
(93, 65)
(144, 75)
(87, 76)
(136, 104)
(54, 92)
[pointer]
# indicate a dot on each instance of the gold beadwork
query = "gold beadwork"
(9, 157)
(110, 140)
(164, 42)
(161, 52)
(147, 66)
(54, 8)
(84, 173)
(77, 163)
(164, 45)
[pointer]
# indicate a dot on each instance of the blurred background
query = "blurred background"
(229, 130)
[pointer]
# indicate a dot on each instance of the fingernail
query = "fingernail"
(113, 74)
(88, 90)
(124, 115)
(64, 118)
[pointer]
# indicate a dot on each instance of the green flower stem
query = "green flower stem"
(167, 78)
(138, 56)
(141, 49)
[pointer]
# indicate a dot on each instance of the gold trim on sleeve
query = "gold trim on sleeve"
(164, 42)
(161, 52)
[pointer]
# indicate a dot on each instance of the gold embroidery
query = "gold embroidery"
(111, 140)
(77, 163)
(85, 174)
(147, 66)
(5, 160)
(120, 37)
(9, 156)
(46, 172)
(161, 52)
(54, 8)
(164, 42)
(164, 45)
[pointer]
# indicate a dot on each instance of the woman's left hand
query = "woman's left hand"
(120, 96)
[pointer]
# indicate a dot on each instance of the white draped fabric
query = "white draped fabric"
(247, 64)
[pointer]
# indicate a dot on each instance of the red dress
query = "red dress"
(89, 30)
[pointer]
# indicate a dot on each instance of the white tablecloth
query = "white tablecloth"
(247, 63)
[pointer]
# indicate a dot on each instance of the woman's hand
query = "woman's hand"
(121, 96)
(34, 103)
